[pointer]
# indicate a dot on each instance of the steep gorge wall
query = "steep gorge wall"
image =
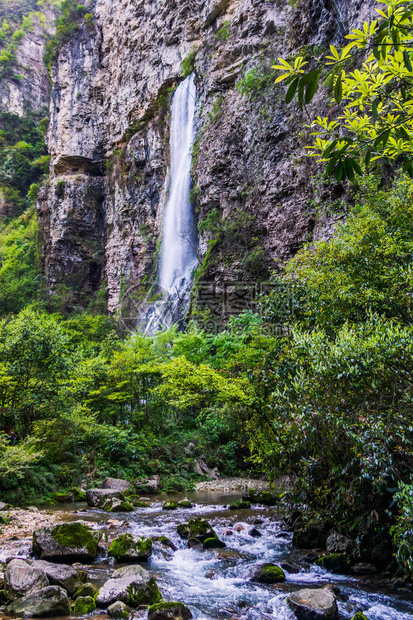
(101, 213)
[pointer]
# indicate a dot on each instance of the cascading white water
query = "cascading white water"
(179, 239)
(178, 252)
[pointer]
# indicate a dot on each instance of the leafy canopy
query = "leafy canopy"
(375, 120)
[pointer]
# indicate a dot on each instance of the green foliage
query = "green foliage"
(188, 63)
(223, 33)
(376, 121)
(365, 267)
(403, 530)
(20, 280)
(72, 16)
(254, 82)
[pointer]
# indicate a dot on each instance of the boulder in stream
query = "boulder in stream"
(268, 573)
(214, 543)
(338, 543)
(131, 585)
(87, 589)
(97, 497)
(240, 504)
(125, 548)
(50, 601)
(66, 542)
(335, 562)
(170, 505)
(118, 484)
(119, 610)
(169, 611)
(114, 504)
(317, 604)
(22, 578)
(84, 605)
(197, 529)
(61, 575)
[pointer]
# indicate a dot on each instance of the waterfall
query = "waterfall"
(178, 250)
(178, 257)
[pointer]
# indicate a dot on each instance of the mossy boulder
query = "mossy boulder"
(50, 601)
(197, 529)
(97, 497)
(169, 505)
(87, 589)
(119, 610)
(166, 542)
(241, 504)
(335, 562)
(214, 543)
(63, 498)
(136, 501)
(132, 585)
(79, 495)
(359, 616)
(185, 503)
(169, 611)
(125, 548)
(256, 496)
(117, 505)
(84, 605)
(268, 573)
(68, 541)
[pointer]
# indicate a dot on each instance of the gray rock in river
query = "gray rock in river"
(97, 497)
(338, 543)
(66, 542)
(131, 585)
(116, 483)
(22, 578)
(50, 601)
(169, 611)
(119, 610)
(314, 604)
(61, 575)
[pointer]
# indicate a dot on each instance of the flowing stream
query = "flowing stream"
(215, 584)
(178, 257)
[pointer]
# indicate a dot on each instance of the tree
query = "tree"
(375, 121)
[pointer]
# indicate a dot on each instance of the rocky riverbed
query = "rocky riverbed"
(212, 554)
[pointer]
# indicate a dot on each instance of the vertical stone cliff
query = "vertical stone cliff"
(101, 213)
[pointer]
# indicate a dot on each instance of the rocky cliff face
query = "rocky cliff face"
(108, 138)
(29, 85)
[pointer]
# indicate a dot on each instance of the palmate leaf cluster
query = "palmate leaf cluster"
(374, 123)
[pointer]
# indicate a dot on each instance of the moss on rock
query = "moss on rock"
(79, 495)
(214, 543)
(169, 505)
(269, 573)
(125, 547)
(84, 605)
(335, 562)
(359, 616)
(87, 589)
(136, 501)
(76, 536)
(198, 529)
(241, 504)
(169, 610)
